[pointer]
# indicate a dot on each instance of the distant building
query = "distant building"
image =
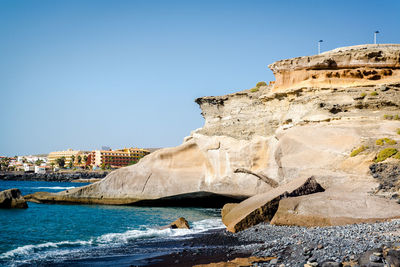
(117, 158)
(40, 169)
(53, 156)
(29, 167)
(32, 159)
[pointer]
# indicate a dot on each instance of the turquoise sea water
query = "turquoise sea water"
(54, 234)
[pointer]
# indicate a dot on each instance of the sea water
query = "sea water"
(53, 234)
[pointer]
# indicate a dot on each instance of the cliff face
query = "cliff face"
(348, 66)
(252, 141)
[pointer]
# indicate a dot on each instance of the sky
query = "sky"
(87, 74)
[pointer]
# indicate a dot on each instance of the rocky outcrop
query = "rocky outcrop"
(348, 66)
(335, 207)
(262, 207)
(254, 140)
(52, 177)
(12, 198)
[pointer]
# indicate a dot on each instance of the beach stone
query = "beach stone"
(180, 223)
(12, 198)
(262, 207)
(393, 258)
(331, 264)
(374, 258)
(274, 261)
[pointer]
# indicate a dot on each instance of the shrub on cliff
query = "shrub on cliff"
(391, 117)
(357, 151)
(398, 131)
(374, 93)
(382, 141)
(259, 84)
(254, 89)
(385, 153)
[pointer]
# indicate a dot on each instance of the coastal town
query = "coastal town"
(76, 160)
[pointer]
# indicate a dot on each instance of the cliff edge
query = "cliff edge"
(307, 123)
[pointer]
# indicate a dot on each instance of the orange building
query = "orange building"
(117, 158)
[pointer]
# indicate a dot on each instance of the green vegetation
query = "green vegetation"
(357, 151)
(385, 153)
(397, 156)
(132, 162)
(61, 162)
(259, 84)
(38, 162)
(379, 142)
(390, 141)
(391, 117)
(254, 89)
(363, 94)
(79, 159)
(374, 93)
(4, 163)
(398, 131)
(382, 141)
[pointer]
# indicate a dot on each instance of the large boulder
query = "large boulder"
(262, 207)
(12, 198)
(334, 207)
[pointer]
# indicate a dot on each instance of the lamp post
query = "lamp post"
(375, 33)
(319, 46)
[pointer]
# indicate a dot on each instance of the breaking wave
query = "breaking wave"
(57, 250)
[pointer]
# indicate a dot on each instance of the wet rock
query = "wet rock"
(12, 198)
(180, 223)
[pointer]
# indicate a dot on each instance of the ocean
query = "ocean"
(92, 235)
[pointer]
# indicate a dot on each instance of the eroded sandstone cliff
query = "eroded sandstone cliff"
(254, 140)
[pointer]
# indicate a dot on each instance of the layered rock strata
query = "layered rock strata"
(347, 66)
(254, 140)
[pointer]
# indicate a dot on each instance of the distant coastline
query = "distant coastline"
(67, 176)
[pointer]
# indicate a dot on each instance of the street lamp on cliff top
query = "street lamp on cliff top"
(319, 46)
(375, 33)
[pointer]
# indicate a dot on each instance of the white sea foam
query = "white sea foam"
(50, 249)
(55, 187)
(29, 249)
(197, 227)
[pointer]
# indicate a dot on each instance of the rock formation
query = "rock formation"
(262, 207)
(12, 198)
(180, 223)
(307, 123)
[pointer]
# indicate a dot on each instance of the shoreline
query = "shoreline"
(53, 176)
(292, 246)
(350, 245)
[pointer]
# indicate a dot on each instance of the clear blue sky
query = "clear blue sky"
(82, 74)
